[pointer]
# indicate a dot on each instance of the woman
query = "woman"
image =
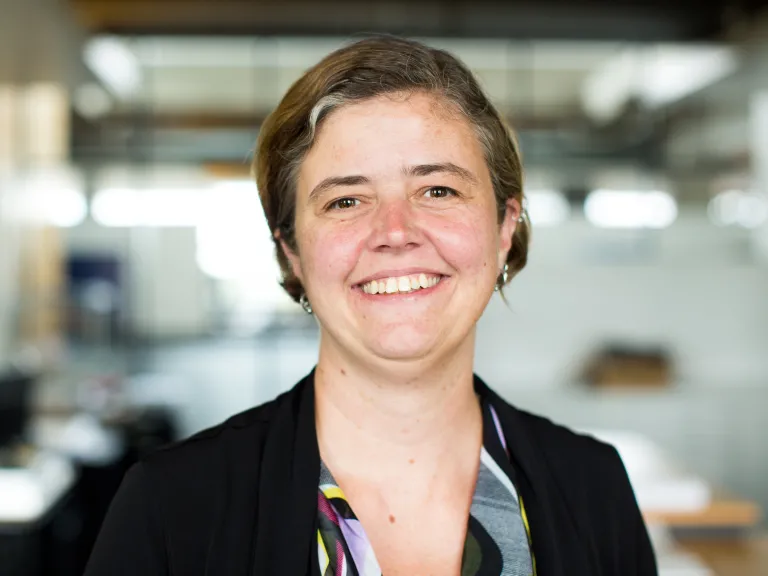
(394, 192)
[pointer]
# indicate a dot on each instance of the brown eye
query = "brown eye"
(440, 192)
(343, 203)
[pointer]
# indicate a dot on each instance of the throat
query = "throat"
(407, 471)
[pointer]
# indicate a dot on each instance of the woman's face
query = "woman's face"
(399, 245)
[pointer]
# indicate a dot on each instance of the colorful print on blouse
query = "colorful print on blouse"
(497, 541)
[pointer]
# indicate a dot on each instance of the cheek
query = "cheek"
(468, 244)
(330, 253)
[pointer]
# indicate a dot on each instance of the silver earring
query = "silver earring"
(304, 301)
(502, 279)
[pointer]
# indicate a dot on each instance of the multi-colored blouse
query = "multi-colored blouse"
(498, 538)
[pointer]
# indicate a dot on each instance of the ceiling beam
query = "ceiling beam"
(641, 20)
(40, 41)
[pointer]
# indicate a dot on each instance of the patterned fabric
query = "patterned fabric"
(498, 537)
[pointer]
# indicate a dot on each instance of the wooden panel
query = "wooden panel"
(228, 170)
(748, 557)
(647, 20)
(240, 14)
(721, 513)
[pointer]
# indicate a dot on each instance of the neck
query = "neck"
(384, 415)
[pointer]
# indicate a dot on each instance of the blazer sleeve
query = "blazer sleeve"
(635, 551)
(130, 542)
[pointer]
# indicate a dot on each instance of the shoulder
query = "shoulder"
(233, 447)
(565, 447)
(176, 503)
(546, 440)
(577, 460)
(588, 472)
(589, 478)
(584, 469)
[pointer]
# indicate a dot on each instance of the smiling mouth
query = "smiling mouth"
(401, 284)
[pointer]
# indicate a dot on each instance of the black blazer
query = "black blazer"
(240, 499)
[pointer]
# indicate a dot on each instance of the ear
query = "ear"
(293, 257)
(512, 212)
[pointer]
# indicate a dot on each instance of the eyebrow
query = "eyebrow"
(410, 171)
(334, 181)
(445, 167)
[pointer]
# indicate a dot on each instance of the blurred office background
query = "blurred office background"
(139, 297)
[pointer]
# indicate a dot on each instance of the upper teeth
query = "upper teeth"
(400, 284)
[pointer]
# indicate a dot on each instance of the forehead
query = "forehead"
(391, 131)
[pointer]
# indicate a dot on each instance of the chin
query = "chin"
(403, 344)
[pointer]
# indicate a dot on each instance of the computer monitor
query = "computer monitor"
(15, 399)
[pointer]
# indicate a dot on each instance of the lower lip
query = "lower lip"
(400, 296)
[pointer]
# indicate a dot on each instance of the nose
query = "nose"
(394, 228)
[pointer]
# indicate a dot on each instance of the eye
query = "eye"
(440, 192)
(343, 204)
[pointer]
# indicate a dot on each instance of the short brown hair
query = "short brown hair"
(359, 71)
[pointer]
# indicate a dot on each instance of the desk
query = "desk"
(29, 493)
(738, 557)
(722, 512)
(36, 517)
(719, 536)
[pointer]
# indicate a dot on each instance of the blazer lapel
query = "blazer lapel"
(557, 544)
(285, 526)
(284, 540)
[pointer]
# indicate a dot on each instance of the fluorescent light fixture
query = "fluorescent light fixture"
(126, 207)
(607, 89)
(738, 208)
(92, 101)
(674, 72)
(65, 208)
(630, 209)
(657, 76)
(172, 208)
(233, 238)
(235, 246)
(547, 207)
(117, 207)
(52, 197)
(114, 64)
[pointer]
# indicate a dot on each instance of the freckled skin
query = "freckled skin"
(375, 215)
(394, 223)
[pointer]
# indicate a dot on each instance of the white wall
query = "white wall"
(715, 321)
(694, 287)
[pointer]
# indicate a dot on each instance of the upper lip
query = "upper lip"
(400, 272)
